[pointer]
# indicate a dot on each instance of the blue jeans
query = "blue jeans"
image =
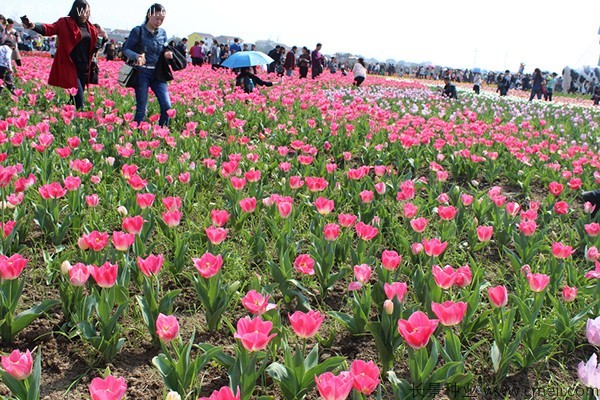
(146, 80)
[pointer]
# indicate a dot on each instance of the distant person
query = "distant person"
(537, 85)
(316, 61)
(235, 46)
(6, 64)
(274, 54)
(449, 89)
(596, 96)
(550, 87)
(290, 61)
(360, 72)
(14, 35)
(78, 40)
(504, 83)
(182, 46)
(215, 55)
(304, 62)
(332, 65)
(197, 54)
(110, 50)
(477, 83)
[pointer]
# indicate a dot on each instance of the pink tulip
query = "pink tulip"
(410, 210)
(172, 218)
(248, 205)
(305, 264)
(52, 191)
(561, 251)
(447, 213)
(484, 233)
(592, 331)
(512, 208)
(18, 365)
(538, 282)
(366, 376)
(284, 208)
(366, 196)
(449, 312)
(256, 303)
(445, 277)
(365, 232)
(92, 200)
(225, 393)
(466, 199)
(145, 200)
(167, 327)
(11, 267)
(592, 229)
(419, 224)
(362, 273)
(434, 247)
(528, 227)
(216, 235)
(219, 217)
(390, 260)
(79, 274)
(306, 325)
(569, 293)
(133, 225)
(498, 296)
(332, 387)
(254, 333)
(151, 265)
(172, 203)
(417, 330)
(95, 240)
(105, 275)
(208, 265)
(109, 388)
(463, 276)
(595, 273)
(395, 289)
(589, 373)
(122, 240)
(555, 188)
(324, 206)
(347, 220)
(331, 232)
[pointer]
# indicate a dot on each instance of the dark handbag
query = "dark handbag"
(127, 76)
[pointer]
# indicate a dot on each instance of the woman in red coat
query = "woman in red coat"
(78, 40)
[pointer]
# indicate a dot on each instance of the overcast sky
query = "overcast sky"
(463, 34)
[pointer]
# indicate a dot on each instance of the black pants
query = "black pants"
(476, 89)
(197, 61)
(548, 95)
(6, 76)
(358, 80)
(303, 71)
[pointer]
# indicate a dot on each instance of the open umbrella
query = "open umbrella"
(247, 59)
(476, 70)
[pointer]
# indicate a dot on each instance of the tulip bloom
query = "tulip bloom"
(561, 251)
(254, 333)
(449, 312)
(569, 293)
(208, 265)
(395, 289)
(447, 213)
(417, 330)
(172, 218)
(498, 296)
(145, 200)
(306, 325)
(538, 282)
(95, 240)
(419, 224)
(555, 188)
(256, 303)
(347, 220)
(106, 275)
(528, 227)
(167, 327)
(324, 206)
(225, 393)
(11, 267)
(332, 387)
(366, 376)
(390, 260)
(305, 264)
(434, 247)
(110, 388)
(589, 373)
(331, 232)
(216, 235)
(18, 365)
(484, 233)
(362, 273)
(248, 205)
(151, 265)
(592, 331)
(122, 240)
(463, 276)
(79, 274)
(284, 208)
(219, 217)
(445, 278)
(365, 232)
(133, 225)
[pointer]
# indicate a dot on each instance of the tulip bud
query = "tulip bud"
(65, 267)
(83, 245)
(173, 396)
(100, 174)
(388, 307)
(110, 161)
(122, 211)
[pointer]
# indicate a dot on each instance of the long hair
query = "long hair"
(154, 9)
(78, 8)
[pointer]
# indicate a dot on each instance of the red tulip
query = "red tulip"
(18, 365)
(498, 296)
(366, 376)
(307, 324)
(449, 312)
(254, 333)
(109, 388)
(417, 330)
(208, 265)
(167, 327)
(332, 387)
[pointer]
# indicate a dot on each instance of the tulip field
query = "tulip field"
(309, 240)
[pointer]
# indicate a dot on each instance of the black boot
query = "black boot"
(593, 196)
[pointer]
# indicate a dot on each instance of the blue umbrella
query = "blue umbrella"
(476, 70)
(247, 59)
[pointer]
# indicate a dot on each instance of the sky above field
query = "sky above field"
(464, 34)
